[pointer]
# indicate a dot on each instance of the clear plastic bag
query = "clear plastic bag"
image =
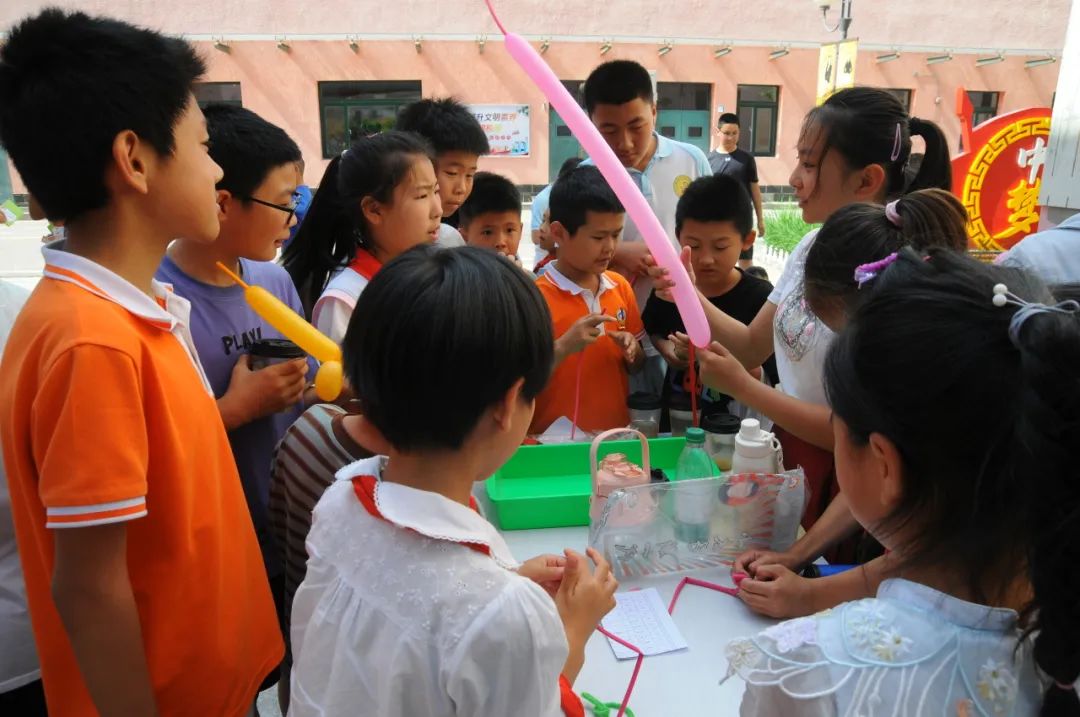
(662, 528)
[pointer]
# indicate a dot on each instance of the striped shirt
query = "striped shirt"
(305, 461)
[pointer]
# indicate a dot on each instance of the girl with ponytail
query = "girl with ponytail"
(854, 148)
(377, 200)
(955, 392)
(859, 236)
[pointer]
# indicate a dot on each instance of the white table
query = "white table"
(676, 684)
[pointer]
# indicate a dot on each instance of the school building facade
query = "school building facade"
(330, 72)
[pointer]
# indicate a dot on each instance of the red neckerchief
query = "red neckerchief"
(365, 264)
(364, 487)
(544, 262)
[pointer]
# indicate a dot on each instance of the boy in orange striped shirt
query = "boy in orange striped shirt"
(144, 580)
(593, 310)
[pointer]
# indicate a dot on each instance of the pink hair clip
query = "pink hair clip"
(897, 144)
(868, 272)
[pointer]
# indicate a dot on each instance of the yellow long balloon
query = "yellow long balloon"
(328, 380)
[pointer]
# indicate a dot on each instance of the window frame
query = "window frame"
(910, 96)
(980, 113)
(683, 96)
(749, 129)
(414, 87)
(238, 102)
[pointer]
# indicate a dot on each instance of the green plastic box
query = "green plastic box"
(549, 486)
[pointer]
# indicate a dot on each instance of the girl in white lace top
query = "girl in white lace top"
(956, 411)
(412, 603)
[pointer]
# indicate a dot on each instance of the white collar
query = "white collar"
(430, 514)
(559, 279)
(93, 277)
(952, 609)
(172, 314)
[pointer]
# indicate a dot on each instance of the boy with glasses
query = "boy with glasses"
(256, 207)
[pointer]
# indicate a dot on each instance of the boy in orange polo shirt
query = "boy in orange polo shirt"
(593, 310)
(145, 585)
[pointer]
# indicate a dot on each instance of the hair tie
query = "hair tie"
(896, 144)
(1003, 296)
(1065, 686)
(868, 272)
(893, 215)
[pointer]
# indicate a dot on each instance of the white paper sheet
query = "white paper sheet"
(641, 618)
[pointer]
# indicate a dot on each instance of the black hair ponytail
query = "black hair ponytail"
(324, 241)
(864, 233)
(935, 172)
(999, 501)
(334, 226)
(867, 125)
(1049, 430)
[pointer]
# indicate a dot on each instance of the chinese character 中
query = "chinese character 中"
(1034, 158)
(1023, 202)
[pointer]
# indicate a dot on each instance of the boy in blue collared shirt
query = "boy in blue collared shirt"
(620, 102)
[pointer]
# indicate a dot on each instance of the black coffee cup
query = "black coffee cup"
(267, 352)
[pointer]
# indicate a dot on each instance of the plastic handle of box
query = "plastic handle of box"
(614, 432)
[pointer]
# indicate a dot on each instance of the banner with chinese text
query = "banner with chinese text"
(507, 128)
(999, 180)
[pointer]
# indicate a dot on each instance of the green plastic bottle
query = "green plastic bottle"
(694, 502)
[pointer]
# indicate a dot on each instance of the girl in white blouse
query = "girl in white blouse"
(956, 412)
(412, 603)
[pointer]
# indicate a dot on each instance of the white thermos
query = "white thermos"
(756, 451)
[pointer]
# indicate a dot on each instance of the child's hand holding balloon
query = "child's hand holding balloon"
(634, 258)
(721, 371)
(661, 277)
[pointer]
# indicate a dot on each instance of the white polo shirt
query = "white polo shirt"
(673, 166)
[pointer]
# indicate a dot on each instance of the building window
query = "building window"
(351, 110)
(984, 106)
(683, 112)
(682, 96)
(904, 96)
(758, 108)
(221, 93)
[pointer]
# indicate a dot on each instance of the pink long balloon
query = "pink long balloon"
(686, 297)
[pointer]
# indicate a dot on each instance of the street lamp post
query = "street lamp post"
(845, 16)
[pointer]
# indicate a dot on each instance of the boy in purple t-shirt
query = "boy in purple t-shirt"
(256, 203)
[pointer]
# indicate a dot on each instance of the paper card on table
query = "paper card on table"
(641, 619)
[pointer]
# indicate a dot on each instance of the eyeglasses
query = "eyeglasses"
(289, 208)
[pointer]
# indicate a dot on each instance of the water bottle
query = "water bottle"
(694, 500)
(756, 451)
